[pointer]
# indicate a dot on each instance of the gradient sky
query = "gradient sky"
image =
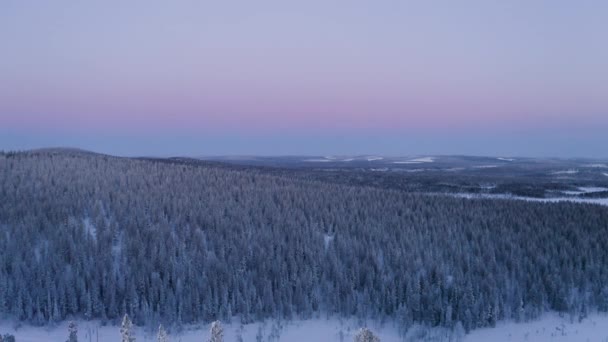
(516, 78)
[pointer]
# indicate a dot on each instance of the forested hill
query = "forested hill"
(98, 236)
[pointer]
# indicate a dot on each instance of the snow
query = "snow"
(585, 190)
(372, 158)
(485, 166)
(327, 239)
(606, 174)
(550, 327)
(603, 166)
(321, 330)
(382, 169)
(89, 227)
(565, 172)
(317, 160)
(348, 159)
(506, 159)
(487, 186)
(600, 201)
(416, 160)
(424, 160)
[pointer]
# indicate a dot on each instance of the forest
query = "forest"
(92, 236)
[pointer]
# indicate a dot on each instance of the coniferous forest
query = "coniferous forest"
(96, 237)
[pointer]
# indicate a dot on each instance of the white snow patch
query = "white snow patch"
(585, 190)
(372, 158)
(484, 166)
(602, 166)
(89, 227)
(317, 160)
(487, 186)
(348, 159)
(550, 327)
(424, 159)
(565, 172)
(416, 160)
(382, 169)
(327, 239)
(600, 201)
(506, 159)
(321, 330)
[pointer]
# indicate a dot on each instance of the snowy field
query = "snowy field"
(600, 201)
(551, 327)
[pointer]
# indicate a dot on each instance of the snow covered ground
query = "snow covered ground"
(416, 160)
(586, 190)
(600, 201)
(565, 172)
(551, 327)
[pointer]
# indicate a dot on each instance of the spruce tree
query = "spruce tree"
(217, 332)
(73, 332)
(162, 334)
(366, 335)
(125, 330)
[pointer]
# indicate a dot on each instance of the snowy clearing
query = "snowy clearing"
(565, 172)
(424, 159)
(600, 201)
(416, 161)
(317, 160)
(585, 190)
(551, 327)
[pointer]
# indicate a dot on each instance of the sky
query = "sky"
(315, 77)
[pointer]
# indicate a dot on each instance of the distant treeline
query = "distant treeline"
(85, 235)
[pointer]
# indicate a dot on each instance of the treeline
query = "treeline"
(84, 235)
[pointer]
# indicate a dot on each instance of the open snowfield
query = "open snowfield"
(600, 201)
(416, 160)
(565, 172)
(551, 327)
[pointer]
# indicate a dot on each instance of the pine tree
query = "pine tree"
(73, 332)
(366, 335)
(217, 332)
(162, 334)
(125, 330)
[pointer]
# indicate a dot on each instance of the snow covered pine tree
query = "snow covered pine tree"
(162, 334)
(366, 335)
(217, 332)
(73, 332)
(125, 330)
